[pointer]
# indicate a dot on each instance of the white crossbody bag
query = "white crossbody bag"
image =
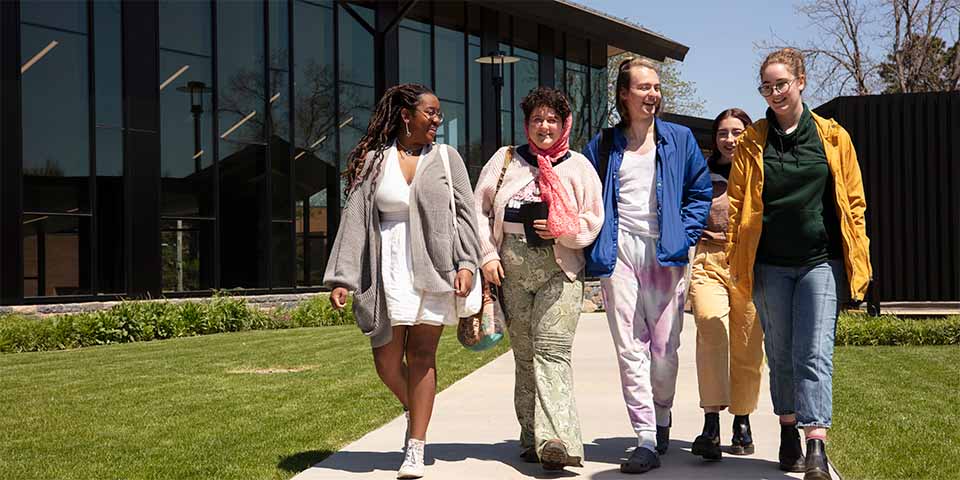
(471, 304)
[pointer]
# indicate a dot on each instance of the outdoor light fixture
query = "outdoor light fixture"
(36, 58)
(497, 60)
(196, 90)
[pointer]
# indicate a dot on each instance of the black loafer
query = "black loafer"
(641, 460)
(816, 464)
(791, 452)
(553, 456)
(742, 442)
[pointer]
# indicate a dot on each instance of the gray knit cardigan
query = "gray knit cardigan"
(438, 252)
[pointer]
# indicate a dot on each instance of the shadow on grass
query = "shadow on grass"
(299, 462)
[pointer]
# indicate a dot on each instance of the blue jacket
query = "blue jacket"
(684, 193)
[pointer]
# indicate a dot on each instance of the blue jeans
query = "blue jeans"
(798, 309)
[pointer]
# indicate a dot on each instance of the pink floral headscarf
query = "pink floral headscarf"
(561, 219)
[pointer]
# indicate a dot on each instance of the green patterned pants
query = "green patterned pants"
(542, 308)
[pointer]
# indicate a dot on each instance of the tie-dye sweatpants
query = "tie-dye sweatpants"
(644, 304)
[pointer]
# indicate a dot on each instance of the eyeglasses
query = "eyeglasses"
(729, 133)
(778, 88)
(432, 114)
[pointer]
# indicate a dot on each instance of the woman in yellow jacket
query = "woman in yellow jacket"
(796, 238)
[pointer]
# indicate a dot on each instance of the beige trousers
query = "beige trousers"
(729, 337)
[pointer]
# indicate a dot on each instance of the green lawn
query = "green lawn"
(191, 407)
(896, 412)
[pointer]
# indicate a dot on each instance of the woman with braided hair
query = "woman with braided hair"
(400, 253)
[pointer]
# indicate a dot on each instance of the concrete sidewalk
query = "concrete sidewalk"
(473, 433)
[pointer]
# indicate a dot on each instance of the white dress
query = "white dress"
(405, 304)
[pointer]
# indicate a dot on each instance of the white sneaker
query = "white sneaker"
(412, 460)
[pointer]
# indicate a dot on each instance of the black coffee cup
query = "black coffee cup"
(530, 212)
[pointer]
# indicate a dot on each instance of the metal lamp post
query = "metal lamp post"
(196, 90)
(497, 59)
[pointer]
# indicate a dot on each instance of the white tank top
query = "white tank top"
(393, 192)
(638, 194)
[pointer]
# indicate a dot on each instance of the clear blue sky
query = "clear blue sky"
(721, 35)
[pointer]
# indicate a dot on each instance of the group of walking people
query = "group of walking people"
(775, 216)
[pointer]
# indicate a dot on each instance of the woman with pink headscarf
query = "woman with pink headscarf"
(540, 205)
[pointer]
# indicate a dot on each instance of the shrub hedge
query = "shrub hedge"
(861, 329)
(135, 321)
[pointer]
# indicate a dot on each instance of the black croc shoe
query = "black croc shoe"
(791, 452)
(742, 442)
(642, 460)
(816, 464)
(707, 445)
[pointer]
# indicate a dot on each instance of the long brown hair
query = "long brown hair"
(623, 83)
(730, 112)
(384, 126)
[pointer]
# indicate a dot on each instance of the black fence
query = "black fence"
(908, 146)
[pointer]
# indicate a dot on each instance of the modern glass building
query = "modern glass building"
(173, 148)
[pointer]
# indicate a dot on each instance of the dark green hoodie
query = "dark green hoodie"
(800, 224)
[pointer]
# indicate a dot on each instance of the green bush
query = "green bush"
(861, 329)
(136, 321)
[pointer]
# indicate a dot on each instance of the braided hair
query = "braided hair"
(385, 124)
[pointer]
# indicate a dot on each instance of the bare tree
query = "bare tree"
(840, 61)
(917, 61)
(839, 58)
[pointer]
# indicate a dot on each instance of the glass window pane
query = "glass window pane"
(473, 156)
(415, 45)
(599, 98)
(56, 255)
(451, 73)
(107, 41)
(186, 106)
(55, 104)
(356, 74)
(527, 78)
(282, 254)
(109, 214)
(311, 230)
(506, 103)
(580, 105)
(109, 146)
(453, 129)
(187, 252)
(61, 14)
(241, 90)
(187, 26)
(243, 96)
(356, 47)
(280, 141)
(315, 155)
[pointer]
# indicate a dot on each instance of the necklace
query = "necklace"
(409, 151)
